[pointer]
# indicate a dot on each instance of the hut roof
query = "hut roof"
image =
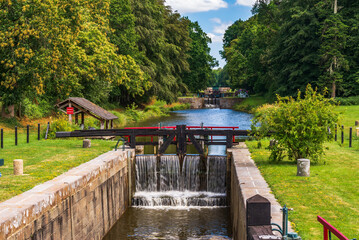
(85, 105)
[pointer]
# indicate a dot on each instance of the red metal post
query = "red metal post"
(234, 138)
(327, 227)
(325, 236)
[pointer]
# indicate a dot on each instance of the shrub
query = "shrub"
(354, 100)
(35, 111)
(60, 125)
(299, 125)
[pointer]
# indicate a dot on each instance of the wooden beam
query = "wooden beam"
(195, 143)
(181, 139)
(166, 144)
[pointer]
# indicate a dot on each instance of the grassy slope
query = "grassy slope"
(44, 160)
(331, 191)
(249, 104)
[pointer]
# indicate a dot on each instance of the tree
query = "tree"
(334, 37)
(300, 126)
(200, 60)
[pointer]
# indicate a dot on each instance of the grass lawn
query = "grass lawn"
(332, 190)
(43, 160)
(249, 104)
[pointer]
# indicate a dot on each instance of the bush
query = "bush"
(299, 125)
(35, 111)
(179, 106)
(61, 125)
(348, 101)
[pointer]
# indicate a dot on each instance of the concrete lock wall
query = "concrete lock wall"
(247, 181)
(83, 203)
(229, 103)
(196, 103)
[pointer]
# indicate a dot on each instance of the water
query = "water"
(181, 198)
(167, 174)
(194, 117)
(142, 223)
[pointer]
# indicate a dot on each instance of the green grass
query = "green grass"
(43, 160)
(331, 191)
(249, 104)
(350, 114)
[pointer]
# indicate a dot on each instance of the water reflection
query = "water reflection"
(194, 117)
(209, 117)
(139, 223)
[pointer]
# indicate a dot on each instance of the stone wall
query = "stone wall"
(196, 103)
(229, 103)
(83, 203)
(247, 181)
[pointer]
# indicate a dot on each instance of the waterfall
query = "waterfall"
(146, 173)
(216, 173)
(170, 172)
(190, 173)
(163, 182)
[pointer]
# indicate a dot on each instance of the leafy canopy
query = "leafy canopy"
(300, 126)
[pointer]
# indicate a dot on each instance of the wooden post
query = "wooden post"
(181, 139)
(342, 134)
(336, 132)
(15, 135)
(350, 136)
(102, 124)
(111, 124)
(70, 115)
(76, 118)
(107, 123)
(27, 134)
(18, 167)
(47, 130)
(82, 119)
(38, 131)
(2, 138)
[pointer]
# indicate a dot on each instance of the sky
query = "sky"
(214, 17)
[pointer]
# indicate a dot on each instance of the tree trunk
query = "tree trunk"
(8, 112)
(334, 88)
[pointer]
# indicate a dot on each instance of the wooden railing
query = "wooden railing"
(328, 229)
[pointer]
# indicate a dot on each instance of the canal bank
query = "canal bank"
(83, 203)
(88, 200)
(199, 103)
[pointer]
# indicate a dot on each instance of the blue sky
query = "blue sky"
(214, 16)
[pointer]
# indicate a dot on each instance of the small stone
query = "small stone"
(303, 167)
(86, 143)
(18, 167)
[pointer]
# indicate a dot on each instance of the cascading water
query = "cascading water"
(216, 173)
(146, 173)
(164, 183)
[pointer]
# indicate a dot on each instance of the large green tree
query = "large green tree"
(200, 60)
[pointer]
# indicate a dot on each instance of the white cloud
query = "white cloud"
(215, 38)
(190, 6)
(216, 20)
(221, 29)
(248, 3)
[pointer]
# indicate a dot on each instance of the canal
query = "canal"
(181, 212)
